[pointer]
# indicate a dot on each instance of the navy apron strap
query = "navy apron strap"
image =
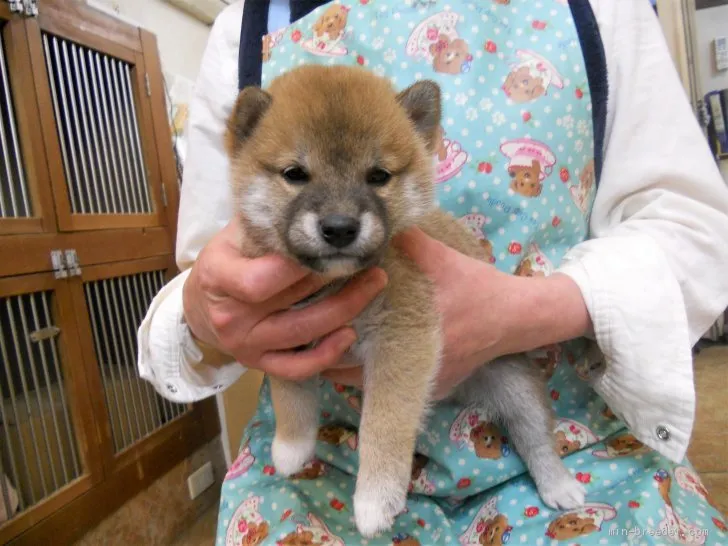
(252, 29)
(596, 71)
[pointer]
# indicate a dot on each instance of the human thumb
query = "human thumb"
(428, 254)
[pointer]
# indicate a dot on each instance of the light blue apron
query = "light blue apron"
(516, 165)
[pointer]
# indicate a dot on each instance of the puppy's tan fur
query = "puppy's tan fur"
(339, 123)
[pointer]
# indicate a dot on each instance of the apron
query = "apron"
(516, 165)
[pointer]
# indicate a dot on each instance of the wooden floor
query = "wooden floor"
(708, 451)
(709, 448)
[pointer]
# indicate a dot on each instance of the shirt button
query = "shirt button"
(171, 388)
(662, 433)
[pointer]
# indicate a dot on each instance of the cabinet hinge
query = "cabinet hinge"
(147, 85)
(29, 8)
(74, 268)
(58, 261)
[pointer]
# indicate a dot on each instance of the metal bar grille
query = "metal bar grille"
(97, 126)
(14, 198)
(116, 309)
(38, 450)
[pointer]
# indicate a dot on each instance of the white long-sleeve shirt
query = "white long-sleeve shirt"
(654, 276)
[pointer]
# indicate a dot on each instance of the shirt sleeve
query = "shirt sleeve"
(168, 357)
(654, 275)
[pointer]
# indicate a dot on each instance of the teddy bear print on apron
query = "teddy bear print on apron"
(515, 164)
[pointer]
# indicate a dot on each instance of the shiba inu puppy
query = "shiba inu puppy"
(327, 165)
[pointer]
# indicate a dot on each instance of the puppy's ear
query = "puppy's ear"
(422, 103)
(250, 106)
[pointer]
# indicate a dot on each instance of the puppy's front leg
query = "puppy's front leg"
(296, 408)
(397, 380)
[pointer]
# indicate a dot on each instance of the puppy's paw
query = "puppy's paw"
(375, 511)
(563, 492)
(289, 456)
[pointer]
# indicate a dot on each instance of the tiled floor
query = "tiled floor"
(708, 451)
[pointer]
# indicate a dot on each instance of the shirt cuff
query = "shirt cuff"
(640, 326)
(168, 356)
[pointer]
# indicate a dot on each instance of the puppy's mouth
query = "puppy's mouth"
(337, 264)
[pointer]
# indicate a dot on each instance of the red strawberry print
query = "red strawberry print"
(490, 46)
(325, 414)
(360, 60)
(364, 2)
(339, 387)
(337, 505)
(583, 477)
(554, 394)
(556, 221)
(421, 522)
(515, 248)
(464, 483)
(268, 470)
(634, 504)
(719, 524)
(526, 116)
(579, 93)
(286, 514)
(296, 36)
(564, 174)
(531, 511)
(485, 167)
(538, 25)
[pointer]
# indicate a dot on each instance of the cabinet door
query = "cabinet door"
(49, 445)
(26, 202)
(110, 303)
(96, 119)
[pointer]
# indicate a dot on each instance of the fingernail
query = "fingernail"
(348, 339)
(377, 277)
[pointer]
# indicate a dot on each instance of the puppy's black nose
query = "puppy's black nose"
(339, 230)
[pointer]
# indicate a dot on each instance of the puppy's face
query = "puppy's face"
(332, 22)
(571, 526)
(487, 441)
(450, 59)
(564, 446)
(625, 444)
(330, 162)
(495, 528)
(525, 180)
(521, 87)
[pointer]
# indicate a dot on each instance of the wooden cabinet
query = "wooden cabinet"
(88, 210)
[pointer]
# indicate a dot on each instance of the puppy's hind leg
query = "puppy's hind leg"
(517, 394)
(296, 409)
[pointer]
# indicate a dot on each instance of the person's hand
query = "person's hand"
(486, 313)
(240, 307)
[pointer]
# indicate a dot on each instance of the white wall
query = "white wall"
(710, 23)
(181, 38)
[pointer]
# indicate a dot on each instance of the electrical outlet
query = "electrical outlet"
(720, 47)
(200, 479)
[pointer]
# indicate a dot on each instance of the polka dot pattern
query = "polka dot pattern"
(514, 165)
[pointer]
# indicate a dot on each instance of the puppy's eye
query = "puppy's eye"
(295, 175)
(378, 177)
(512, 174)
